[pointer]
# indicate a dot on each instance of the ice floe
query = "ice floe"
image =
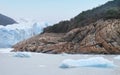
(117, 57)
(98, 62)
(22, 54)
(42, 66)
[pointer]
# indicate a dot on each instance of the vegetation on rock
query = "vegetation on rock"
(110, 10)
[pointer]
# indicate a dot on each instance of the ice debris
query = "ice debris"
(22, 54)
(98, 62)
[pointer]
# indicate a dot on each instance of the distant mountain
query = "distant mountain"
(95, 31)
(4, 20)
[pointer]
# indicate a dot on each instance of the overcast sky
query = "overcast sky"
(47, 10)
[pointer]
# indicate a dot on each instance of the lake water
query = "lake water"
(48, 64)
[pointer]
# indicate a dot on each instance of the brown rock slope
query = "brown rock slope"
(101, 37)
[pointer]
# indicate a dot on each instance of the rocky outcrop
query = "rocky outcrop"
(95, 31)
(39, 43)
(101, 37)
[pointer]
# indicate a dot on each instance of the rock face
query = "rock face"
(101, 37)
(4, 20)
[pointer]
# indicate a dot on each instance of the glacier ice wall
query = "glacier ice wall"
(12, 34)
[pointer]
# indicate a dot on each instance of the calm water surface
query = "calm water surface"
(48, 64)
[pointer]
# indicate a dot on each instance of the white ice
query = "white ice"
(99, 62)
(12, 34)
(22, 54)
(5, 50)
(117, 57)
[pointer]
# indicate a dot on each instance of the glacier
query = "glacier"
(98, 62)
(12, 34)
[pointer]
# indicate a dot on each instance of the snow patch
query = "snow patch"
(98, 62)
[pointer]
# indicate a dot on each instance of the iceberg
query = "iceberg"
(12, 34)
(22, 54)
(98, 62)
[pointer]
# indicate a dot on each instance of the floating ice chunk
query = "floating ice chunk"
(117, 57)
(42, 66)
(99, 62)
(22, 54)
(64, 54)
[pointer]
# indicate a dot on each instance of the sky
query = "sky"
(47, 10)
